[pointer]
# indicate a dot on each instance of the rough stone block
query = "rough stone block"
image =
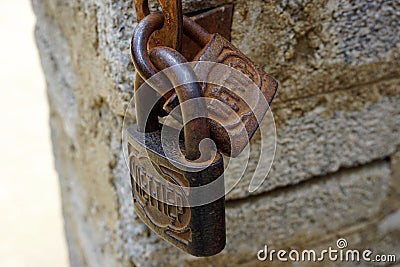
(321, 134)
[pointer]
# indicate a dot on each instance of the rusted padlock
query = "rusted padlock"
(166, 185)
(230, 133)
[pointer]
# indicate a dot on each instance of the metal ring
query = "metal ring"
(146, 28)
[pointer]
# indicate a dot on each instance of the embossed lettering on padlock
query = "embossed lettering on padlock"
(162, 194)
(163, 185)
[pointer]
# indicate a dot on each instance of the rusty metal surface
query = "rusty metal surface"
(142, 62)
(139, 44)
(140, 56)
(170, 34)
(142, 9)
(196, 229)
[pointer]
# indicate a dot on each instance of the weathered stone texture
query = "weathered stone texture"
(313, 47)
(321, 134)
(337, 116)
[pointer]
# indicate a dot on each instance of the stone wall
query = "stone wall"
(336, 171)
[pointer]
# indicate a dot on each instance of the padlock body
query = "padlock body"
(220, 50)
(235, 118)
(163, 188)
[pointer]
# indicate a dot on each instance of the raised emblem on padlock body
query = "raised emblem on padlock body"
(165, 184)
(230, 133)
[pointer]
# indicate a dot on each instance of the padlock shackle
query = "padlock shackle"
(145, 67)
(139, 44)
(143, 32)
(197, 129)
(146, 114)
